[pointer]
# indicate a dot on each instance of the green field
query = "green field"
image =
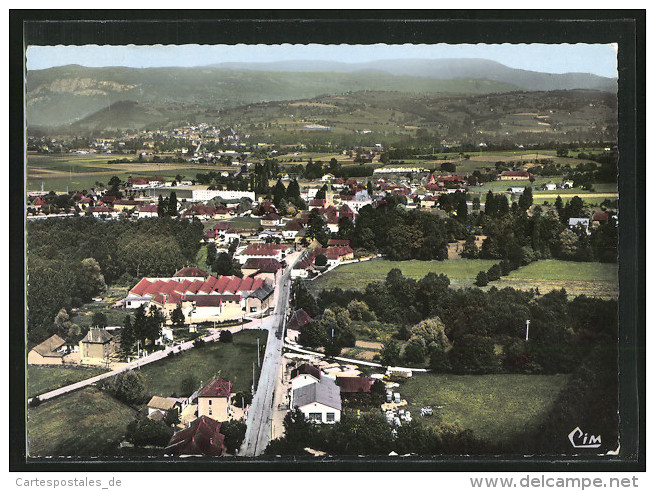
(82, 423)
(494, 407)
(42, 379)
(591, 279)
(234, 361)
(461, 272)
(78, 172)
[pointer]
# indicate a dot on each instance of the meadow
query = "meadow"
(494, 407)
(578, 278)
(233, 361)
(356, 276)
(78, 172)
(592, 279)
(42, 379)
(84, 423)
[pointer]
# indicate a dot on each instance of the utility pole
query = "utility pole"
(527, 329)
(258, 363)
(252, 389)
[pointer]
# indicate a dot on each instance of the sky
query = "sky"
(599, 59)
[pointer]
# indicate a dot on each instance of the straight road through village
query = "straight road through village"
(260, 413)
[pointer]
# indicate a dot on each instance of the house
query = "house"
(429, 202)
(52, 351)
(550, 186)
(599, 218)
(304, 374)
(138, 182)
(103, 212)
(265, 268)
(579, 222)
(108, 200)
(271, 220)
(296, 322)
(336, 254)
(159, 406)
(355, 385)
(125, 204)
(259, 300)
(262, 251)
(202, 437)
(339, 242)
(327, 177)
(211, 308)
(148, 211)
(214, 399)
(97, 345)
(319, 402)
(38, 203)
(316, 203)
(517, 190)
(514, 175)
(291, 229)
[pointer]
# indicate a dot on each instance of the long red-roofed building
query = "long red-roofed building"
(210, 299)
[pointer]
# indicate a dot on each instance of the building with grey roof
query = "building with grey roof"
(319, 402)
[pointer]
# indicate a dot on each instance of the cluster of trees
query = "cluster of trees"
(399, 234)
(333, 331)
(369, 434)
(223, 263)
(70, 261)
(145, 328)
(515, 236)
(472, 331)
(287, 199)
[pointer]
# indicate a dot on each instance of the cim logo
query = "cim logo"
(579, 439)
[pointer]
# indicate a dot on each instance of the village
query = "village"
(267, 246)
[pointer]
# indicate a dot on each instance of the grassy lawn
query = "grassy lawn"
(591, 279)
(42, 379)
(83, 423)
(492, 406)
(461, 272)
(201, 258)
(244, 223)
(233, 360)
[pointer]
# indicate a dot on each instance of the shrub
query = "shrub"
(226, 336)
(188, 385)
(142, 432)
(494, 273)
(235, 432)
(242, 399)
(321, 260)
(128, 387)
(481, 279)
(199, 343)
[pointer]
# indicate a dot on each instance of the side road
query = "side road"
(158, 355)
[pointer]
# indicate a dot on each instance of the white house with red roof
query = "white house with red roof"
(147, 211)
(271, 220)
(263, 251)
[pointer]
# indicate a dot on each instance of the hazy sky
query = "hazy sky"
(599, 59)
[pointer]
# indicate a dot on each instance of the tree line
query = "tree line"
(69, 261)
